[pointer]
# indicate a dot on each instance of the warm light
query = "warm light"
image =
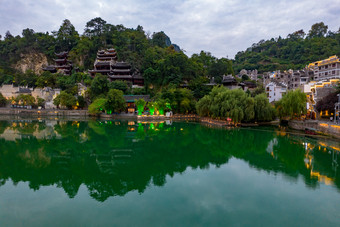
(322, 178)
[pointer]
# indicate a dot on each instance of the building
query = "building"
(230, 82)
(252, 74)
(275, 91)
(61, 64)
(106, 64)
(9, 91)
(326, 69)
(48, 94)
(121, 71)
(130, 101)
(320, 89)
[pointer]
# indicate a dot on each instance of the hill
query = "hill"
(293, 52)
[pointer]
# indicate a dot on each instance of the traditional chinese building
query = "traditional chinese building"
(121, 71)
(106, 64)
(230, 82)
(61, 64)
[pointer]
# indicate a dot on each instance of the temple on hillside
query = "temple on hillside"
(61, 64)
(106, 64)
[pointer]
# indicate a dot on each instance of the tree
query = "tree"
(160, 39)
(300, 34)
(25, 100)
(292, 104)
(46, 79)
(119, 85)
(327, 103)
(115, 101)
(245, 77)
(99, 86)
(98, 106)
(40, 101)
(3, 100)
(95, 27)
(318, 30)
(140, 103)
(67, 37)
(161, 106)
(65, 99)
(81, 102)
(263, 110)
(224, 103)
(151, 106)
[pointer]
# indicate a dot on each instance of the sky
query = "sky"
(221, 27)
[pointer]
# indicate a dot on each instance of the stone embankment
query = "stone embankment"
(43, 112)
(327, 128)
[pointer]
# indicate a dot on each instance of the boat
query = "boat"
(311, 131)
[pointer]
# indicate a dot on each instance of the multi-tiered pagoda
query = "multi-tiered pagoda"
(104, 62)
(107, 64)
(61, 64)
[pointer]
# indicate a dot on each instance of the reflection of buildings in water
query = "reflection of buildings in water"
(17, 131)
(270, 147)
(310, 161)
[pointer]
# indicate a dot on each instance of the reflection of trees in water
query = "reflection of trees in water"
(112, 158)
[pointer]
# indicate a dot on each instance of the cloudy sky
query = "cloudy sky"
(222, 27)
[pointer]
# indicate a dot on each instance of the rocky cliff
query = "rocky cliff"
(31, 61)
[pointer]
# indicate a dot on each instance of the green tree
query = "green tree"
(66, 37)
(3, 100)
(25, 100)
(140, 103)
(161, 106)
(98, 106)
(81, 102)
(40, 101)
(119, 85)
(318, 30)
(263, 110)
(95, 27)
(115, 101)
(65, 99)
(99, 86)
(292, 104)
(151, 106)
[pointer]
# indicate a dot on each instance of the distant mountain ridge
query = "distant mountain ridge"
(293, 52)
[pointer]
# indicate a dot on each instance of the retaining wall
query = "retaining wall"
(327, 128)
(56, 112)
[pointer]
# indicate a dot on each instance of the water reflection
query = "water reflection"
(112, 158)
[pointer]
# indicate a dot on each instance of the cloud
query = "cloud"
(222, 27)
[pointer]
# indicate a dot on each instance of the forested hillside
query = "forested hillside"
(293, 52)
(160, 61)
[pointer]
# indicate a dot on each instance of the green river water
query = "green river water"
(57, 172)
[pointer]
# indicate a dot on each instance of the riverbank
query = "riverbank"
(85, 114)
(326, 128)
(43, 112)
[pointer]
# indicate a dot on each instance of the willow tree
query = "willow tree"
(292, 104)
(224, 103)
(263, 109)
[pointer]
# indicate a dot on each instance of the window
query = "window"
(333, 72)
